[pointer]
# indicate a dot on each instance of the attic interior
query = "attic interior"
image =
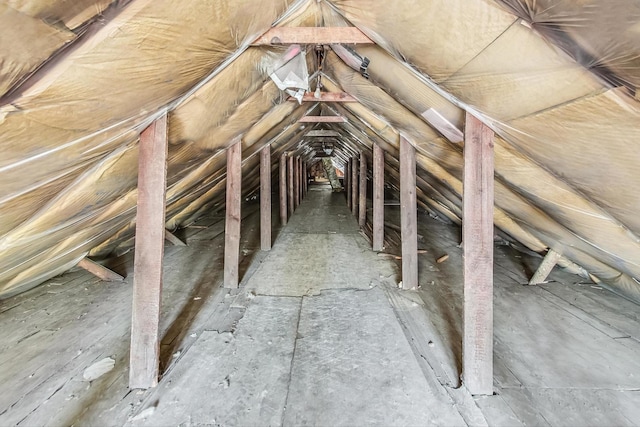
(468, 254)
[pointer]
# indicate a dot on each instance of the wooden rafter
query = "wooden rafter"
(312, 35)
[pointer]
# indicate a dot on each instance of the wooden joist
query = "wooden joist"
(265, 198)
(312, 35)
(408, 215)
(232, 218)
(326, 97)
(322, 119)
(378, 198)
(477, 235)
(149, 251)
(100, 270)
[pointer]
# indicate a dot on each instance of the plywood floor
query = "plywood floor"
(319, 334)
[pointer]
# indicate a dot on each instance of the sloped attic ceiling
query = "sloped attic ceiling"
(555, 79)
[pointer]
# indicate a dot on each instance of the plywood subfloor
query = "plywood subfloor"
(319, 334)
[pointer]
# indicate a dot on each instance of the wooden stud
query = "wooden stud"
(477, 235)
(354, 186)
(265, 198)
(408, 215)
(362, 213)
(550, 260)
(292, 207)
(347, 182)
(378, 198)
(149, 250)
(322, 119)
(232, 220)
(173, 239)
(100, 270)
(283, 189)
(312, 35)
(326, 97)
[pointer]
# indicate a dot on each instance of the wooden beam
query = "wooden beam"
(347, 182)
(265, 198)
(322, 119)
(378, 198)
(173, 239)
(325, 97)
(100, 270)
(477, 235)
(292, 207)
(144, 356)
(232, 219)
(305, 179)
(354, 186)
(322, 133)
(362, 203)
(550, 260)
(408, 215)
(312, 35)
(283, 189)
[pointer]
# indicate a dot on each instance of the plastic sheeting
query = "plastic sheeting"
(555, 79)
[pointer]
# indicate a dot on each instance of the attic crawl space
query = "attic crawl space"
(512, 126)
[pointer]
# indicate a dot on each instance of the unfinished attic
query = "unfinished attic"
(314, 212)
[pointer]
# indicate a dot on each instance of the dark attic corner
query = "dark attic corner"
(314, 212)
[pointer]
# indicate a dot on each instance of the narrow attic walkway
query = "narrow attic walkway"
(318, 334)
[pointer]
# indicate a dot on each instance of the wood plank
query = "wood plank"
(354, 186)
(362, 203)
(477, 235)
(100, 271)
(312, 35)
(173, 239)
(550, 260)
(378, 198)
(408, 215)
(283, 189)
(326, 97)
(232, 218)
(290, 192)
(265, 198)
(149, 251)
(347, 182)
(322, 119)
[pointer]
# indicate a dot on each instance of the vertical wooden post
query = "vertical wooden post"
(283, 189)
(305, 179)
(149, 251)
(299, 180)
(232, 221)
(408, 214)
(292, 207)
(354, 186)
(477, 235)
(378, 198)
(362, 213)
(265, 198)
(296, 182)
(347, 181)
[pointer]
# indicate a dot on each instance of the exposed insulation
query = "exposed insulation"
(555, 79)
